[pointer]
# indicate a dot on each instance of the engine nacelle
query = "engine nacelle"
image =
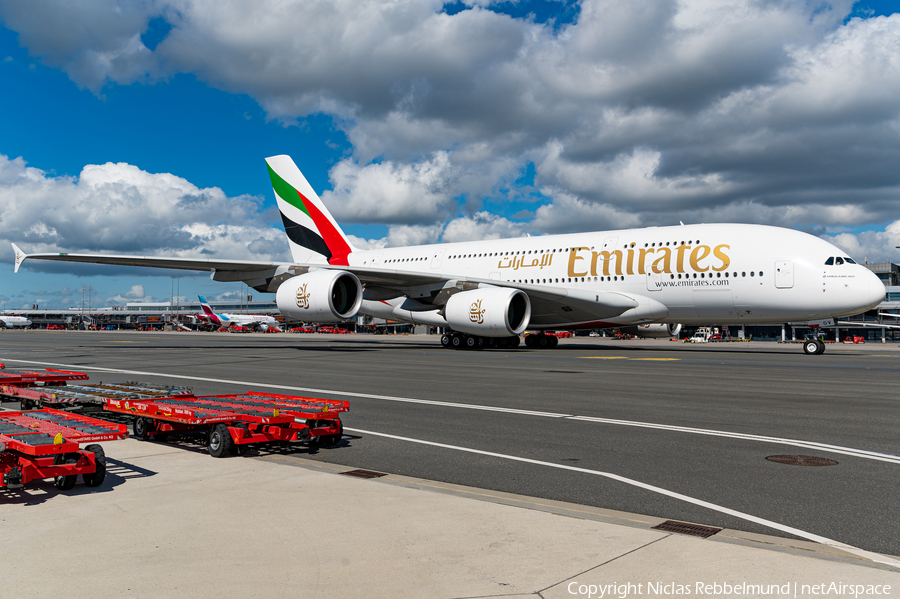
(489, 312)
(320, 296)
(653, 330)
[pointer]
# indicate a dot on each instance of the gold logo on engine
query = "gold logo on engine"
(302, 297)
(476, 314)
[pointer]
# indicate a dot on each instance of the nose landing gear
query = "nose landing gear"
(813, 346)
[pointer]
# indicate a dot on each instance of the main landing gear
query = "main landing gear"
(466, 341)
(541, 341)
(813, 347)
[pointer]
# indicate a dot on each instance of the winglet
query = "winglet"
(20, 257)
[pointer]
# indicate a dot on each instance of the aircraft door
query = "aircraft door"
(784, 274)
(436, 261)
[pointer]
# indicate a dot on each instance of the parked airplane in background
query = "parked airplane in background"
(260, 322)
(11, 322)
(647, 281)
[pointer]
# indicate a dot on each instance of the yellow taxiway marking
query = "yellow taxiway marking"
(658, 359)
(627, 358)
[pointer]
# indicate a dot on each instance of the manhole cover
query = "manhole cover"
(364, 473)
(801, 460)
(685, 528)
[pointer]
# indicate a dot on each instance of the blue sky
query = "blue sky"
(480, 140)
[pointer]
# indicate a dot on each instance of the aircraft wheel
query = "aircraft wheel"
(481, 342)
(530, 341)
(471, 342)
(445, 340)
(514, 341)
(811, 347)
(502, 342)
(554, 341)
(820, 347)
(543, 341)
(456, 342)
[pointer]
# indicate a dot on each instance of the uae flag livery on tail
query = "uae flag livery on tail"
(313, 234)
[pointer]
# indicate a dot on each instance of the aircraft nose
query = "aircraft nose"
(874, 291)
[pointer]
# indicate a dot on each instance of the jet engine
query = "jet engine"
(489, 312)
(653, 331)
(320, 296)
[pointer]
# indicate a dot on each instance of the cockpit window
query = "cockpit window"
(849, 260)
(838, 261)
(829, 262)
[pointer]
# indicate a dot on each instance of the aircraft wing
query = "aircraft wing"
(151, 261)
(572, 305)
(556, 304)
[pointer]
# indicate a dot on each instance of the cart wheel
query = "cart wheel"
(66, 482)
(336, 437)
(219, 442)
(239, 449)
(96, 479)
(140, 428)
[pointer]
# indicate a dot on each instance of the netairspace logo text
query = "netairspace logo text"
(724, 589)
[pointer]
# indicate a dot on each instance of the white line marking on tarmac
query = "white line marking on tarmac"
(850, 451)
(869, 555)
(859, 453)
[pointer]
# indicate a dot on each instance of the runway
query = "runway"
(682, 431)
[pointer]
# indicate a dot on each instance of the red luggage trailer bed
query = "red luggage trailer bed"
(52, 388)
(45, 444)
(23, 384)
(231, 423)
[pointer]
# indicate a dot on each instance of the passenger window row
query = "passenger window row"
(393, 260)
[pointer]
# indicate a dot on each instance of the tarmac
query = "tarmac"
(171, 521)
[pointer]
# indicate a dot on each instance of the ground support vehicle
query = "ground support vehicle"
(33, 378)
(231, 423)
(45, 444)
(51, 389)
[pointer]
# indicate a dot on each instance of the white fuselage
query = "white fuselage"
(239, 320)
(701, 274)
(14, 321)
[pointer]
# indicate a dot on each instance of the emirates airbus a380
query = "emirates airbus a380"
(490, 292)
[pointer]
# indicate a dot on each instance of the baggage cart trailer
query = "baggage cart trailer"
(231, 423)
(51, 389)
(45, 443)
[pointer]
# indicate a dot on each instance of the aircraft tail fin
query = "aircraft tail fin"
(313, 234)
(205, 304)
